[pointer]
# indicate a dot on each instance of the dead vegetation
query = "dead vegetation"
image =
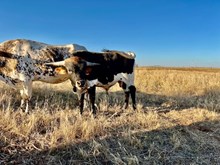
(177, 122)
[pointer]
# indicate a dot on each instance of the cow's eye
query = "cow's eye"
(70, 70)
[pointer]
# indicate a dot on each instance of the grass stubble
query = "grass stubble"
(177, 122)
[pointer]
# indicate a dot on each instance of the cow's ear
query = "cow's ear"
(88, 70)
(61, 70)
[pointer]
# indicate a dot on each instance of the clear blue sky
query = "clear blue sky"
(160, 32)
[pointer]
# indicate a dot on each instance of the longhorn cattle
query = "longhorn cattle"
(22, 62)
(110, 67)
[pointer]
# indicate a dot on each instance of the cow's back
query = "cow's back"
(39, 50)
(28, 58)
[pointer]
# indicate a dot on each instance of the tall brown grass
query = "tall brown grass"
(177, 122)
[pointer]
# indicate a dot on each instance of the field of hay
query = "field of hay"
(177, 122)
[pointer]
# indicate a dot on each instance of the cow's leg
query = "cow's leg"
(81, 102)
(81, 97)
(107, 99)
(26, 94)
(129, 90)
(132, 90)
(127, 93)
(86, 101)
(91, 92)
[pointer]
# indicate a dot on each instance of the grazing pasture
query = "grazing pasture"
(177, 121)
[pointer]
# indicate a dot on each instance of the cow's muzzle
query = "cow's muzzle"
(81, 83)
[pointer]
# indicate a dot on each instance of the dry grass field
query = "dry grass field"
(177, 122)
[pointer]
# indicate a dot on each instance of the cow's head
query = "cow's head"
(77, 70)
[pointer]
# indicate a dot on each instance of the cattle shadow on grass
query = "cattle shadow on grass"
(49, 99)
(210, 100)
(192, 144)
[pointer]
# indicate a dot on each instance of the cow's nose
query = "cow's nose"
(81, 83)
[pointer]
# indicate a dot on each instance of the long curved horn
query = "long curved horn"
(59, 63)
